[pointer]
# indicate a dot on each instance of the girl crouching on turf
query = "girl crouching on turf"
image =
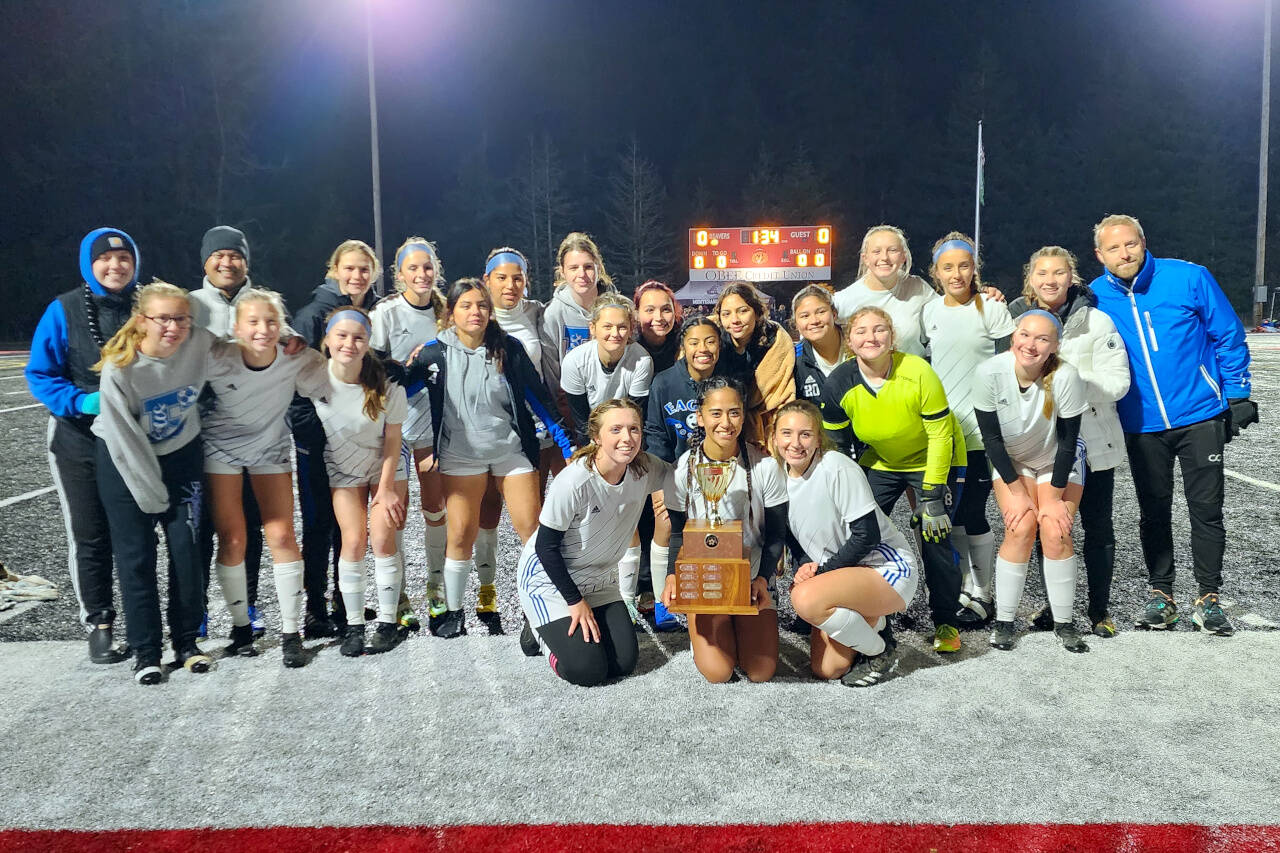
(856, 568)
(362, 413)
(245, 429)
(482, 387)
(757, 496)
(150, 467)
(567, 577)
(1029, 405)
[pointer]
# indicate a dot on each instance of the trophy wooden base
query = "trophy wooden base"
(712, 577)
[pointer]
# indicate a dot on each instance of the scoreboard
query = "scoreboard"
(761, 253)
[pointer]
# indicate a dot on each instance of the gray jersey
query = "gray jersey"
(398, 329)
(149, 411)
(245, 426)
(478, 422)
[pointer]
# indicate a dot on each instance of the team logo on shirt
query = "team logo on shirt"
(575, 336)
(164, 414)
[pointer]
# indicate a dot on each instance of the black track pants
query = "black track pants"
(73, 463)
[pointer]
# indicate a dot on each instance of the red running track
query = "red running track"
(815, 837)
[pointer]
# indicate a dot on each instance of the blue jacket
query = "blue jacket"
(63, 349)
(1187, 351)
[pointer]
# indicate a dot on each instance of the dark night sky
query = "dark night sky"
(1146, 106)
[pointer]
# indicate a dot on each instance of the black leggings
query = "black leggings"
(587, 664)
(971, 508)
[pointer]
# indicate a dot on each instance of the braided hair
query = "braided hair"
(698, 435)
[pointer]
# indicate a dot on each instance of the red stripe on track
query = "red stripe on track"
(815, 837)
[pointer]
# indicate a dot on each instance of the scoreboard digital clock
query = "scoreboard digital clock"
(761, 253)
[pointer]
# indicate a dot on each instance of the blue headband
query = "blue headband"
(505, 258)
(354, 316)
(416, 247)
(953, 244)
(1040, 312)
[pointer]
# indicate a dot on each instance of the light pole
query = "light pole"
(1259, 282)
(373, 143)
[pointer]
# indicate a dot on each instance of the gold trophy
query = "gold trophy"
(712, 572)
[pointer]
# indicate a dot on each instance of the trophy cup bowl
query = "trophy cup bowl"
(713, 574)
(713, 479)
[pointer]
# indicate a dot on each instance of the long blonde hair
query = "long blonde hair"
(580, 241)
(902, 240)
(122, 349)
(1029, 292)
(437, 298)
(639, 465)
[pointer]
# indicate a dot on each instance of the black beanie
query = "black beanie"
(223, 237)
(109, 241)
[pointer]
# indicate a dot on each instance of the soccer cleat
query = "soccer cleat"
(974, 613)
(1071, 639)
(203, 632)
(1207, 615)
(1104, 627)
(1158, 613)
(1043, 620)
(255, 619)
(291, 651)
(647, 602)
(664, 619)
(406, 618)
(102, 648)
(528, 640)
(353, 642)
(192, 659)
(436, 606)
(870, 670)
(946, 639)
(147, 672)
(318, 627)
(242, 641)
(487, 609)
(452, 624)
(385, 638)
(1003, 636)
(633, 609)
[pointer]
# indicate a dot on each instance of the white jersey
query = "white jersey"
(830, 496)
(768, 488)
(244, 426)
(960, 337)
(353, 443)
(582, 373)
(904, 305)
(398, 329)
(1028, 435)
(598, 520)
(524, 323)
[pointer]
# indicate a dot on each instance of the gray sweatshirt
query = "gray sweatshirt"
(148, 411)
(211, 309)
(478, 420)
(565, 325)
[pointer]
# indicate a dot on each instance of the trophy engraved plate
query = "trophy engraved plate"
(712, 569)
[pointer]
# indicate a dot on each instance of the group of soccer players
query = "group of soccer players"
(587, 417)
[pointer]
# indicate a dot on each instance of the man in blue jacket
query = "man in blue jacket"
(1188, 397)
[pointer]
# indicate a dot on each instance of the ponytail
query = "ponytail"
(373, 378)
(1046, 380)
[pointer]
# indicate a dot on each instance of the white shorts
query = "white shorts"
(342, 480)
(540, 599)
(217, 466)
(1043, 476)
(424, 443)
(506, 466)
(899, 571)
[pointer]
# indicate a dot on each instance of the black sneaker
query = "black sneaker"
(452, 624)
(528, 640)
(147, 672)
(1071, 639)
(192, 659)
(242, 641)
(492, 620)
(1003, 637)
(102, 646)
(318, 627)
(871, 670)
(291, 651)
(1159, 613)
(974, 615)
(1207, 615)
(353, 641)
(1043, 620)
(385, 638)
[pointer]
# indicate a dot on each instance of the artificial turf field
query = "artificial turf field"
(1152, 741)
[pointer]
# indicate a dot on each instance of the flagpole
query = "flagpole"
(1264, 145)
(977, 197)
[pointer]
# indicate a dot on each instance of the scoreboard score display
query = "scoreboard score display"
(761, 253)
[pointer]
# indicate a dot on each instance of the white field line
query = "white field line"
(28, 496)
(1235, 475)
(20, 408)
(13, 376)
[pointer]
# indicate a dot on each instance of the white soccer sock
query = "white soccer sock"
(1060, 587)
(1010, 579)
(456, 575)
(960, 543)
(658, 556)
(629, 572)
(982, 553)
(386, 577)
(289, 593)
(235, 591)
(848, 628)
(434, 540)
(486, 554)
(351, 585)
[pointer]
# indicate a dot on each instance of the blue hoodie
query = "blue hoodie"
(63, 348)
(1187, 350)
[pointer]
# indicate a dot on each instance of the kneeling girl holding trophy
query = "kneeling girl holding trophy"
(728, 508)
